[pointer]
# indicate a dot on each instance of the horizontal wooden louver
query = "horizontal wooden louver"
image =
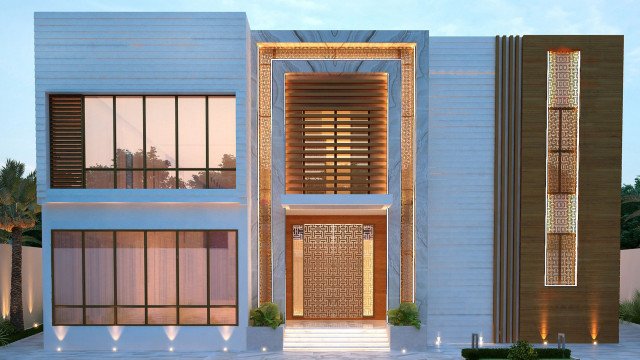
(66, 141)
(336, 133)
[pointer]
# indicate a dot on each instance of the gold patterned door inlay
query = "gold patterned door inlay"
(333, 271)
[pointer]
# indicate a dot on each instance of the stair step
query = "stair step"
(336, 339)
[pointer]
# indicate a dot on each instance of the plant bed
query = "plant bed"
(264, 338)
(266, 332)
(407, 338)
(8, 334)
(503, 353)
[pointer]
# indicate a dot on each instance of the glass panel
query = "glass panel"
(193, 268)
(223, 316)
(68, 316)
(193, 316)
(130, 316)
(98, 118)
(222, 260)
(161, 268)
(222, 131)
(130, 179)
(161, 132)
(162, 316)
(192, 132)
(100, 316)
(165, 179)
(192, 179)
(129, 132)
(130, 266)
(223, 179)
(99, 179)
(98, 260)
(67, 270)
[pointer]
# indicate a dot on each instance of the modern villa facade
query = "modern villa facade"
(190, 169)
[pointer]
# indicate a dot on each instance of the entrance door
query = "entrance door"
(336, 267)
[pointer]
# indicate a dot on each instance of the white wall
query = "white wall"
(31, 283)
(460, 187)
(629, 273)
(144, 53)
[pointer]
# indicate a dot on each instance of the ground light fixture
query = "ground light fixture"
(59, 349)
(114, 349)
(264, 349)
(171, 349)
(545, 343)
(225, 349)
(595, 342)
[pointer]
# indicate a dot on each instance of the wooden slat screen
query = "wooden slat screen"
(336, 133)
(66, 141)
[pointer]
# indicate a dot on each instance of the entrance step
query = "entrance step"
(336, 339)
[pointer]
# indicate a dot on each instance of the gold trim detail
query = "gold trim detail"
(405, 52)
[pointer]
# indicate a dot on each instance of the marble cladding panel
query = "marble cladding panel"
(421, 39)
(280, 67)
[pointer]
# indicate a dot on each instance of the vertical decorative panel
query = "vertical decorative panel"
(507, 187)
(298, 270)
(563, 95)
(367, 270)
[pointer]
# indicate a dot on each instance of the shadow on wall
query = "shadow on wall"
(31, 283)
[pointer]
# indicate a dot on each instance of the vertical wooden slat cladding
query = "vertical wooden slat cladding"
(507, 188)
(66, 139)
(336, 133)
(590, 309)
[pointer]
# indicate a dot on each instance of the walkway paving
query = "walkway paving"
(31, 349)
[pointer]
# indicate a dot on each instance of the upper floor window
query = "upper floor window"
(336, 133)
(146, 142)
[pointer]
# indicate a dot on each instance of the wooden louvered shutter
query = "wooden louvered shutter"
(336, 133)
(66, 141)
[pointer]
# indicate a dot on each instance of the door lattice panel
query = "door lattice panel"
(333, 271)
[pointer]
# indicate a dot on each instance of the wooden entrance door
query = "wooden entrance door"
(336, 267)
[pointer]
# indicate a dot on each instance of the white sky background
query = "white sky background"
(441, 18)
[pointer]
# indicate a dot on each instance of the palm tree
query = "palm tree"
(18, 212)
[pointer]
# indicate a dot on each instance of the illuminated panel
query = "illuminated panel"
(298, 270)
(563, 101)
(367, 270)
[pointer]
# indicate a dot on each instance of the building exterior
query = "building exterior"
(191, 168)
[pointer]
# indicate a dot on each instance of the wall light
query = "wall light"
(264, 349)
(404, 351)
(481, 341)
(545, 343)
(595, 342)
(59, 349)
(171, 349)
(114, 349)
(438, 340)
(225, 349)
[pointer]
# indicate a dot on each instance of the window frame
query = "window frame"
(176, 169)
(146, 306)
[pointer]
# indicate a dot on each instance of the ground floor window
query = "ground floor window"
(145, 277)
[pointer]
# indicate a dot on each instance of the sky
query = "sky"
(441, 18)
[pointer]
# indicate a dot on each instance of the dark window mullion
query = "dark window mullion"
(207, 247)
(84, 293)
(144, 142)
(176, 127)
(206, 126)
(177, 277)
(146, 290)
(115, 139)
(84, 144)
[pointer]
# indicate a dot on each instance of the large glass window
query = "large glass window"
(160, 277)
(160, 142)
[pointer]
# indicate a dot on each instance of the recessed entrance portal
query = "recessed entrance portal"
(336, 267)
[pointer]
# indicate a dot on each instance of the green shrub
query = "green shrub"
(522, 350)
(405, 315)
(503, 353)
(267, 314)
(630, 310)
(6, 332)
